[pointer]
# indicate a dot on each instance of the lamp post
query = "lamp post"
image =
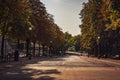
(30, 28)
(50, 42)
(98, 46)
(50, 48)
(29, 56)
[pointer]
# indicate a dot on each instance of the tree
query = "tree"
(77, 42)
(100, 18)
(10, 20)
(45, 30)
(69, 41)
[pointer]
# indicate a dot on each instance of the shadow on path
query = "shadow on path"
(18, 71)
(46, 78)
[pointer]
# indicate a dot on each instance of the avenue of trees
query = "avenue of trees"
(28, 21)
(101, 27)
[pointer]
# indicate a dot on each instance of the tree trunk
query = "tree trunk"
(2, 47)
(27, 47)
(18, 44)
(43, 50)
(39, 49)
(4, 31)
(34, 48)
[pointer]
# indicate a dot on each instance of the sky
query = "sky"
(66, 14)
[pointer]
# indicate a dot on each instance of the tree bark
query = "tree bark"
(27, 47)
(2, 47)
(4, 31)
(18, 44)
(34, 48)
(39, 50)
(43, 50)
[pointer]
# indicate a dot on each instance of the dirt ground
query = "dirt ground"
(79, 73)
(72, 67)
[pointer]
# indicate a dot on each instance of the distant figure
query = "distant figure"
(16, 55)
(29, 56)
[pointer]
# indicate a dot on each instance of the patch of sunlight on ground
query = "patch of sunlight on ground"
(12, 73)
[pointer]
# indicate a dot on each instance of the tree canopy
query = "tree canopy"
(100, 27)
(28, 19)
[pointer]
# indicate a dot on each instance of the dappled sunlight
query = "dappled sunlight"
(38, 73)
(12, 73)
(51, 72)
(29, 73)
(33, 45)
(9, 65)
(76, 67)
